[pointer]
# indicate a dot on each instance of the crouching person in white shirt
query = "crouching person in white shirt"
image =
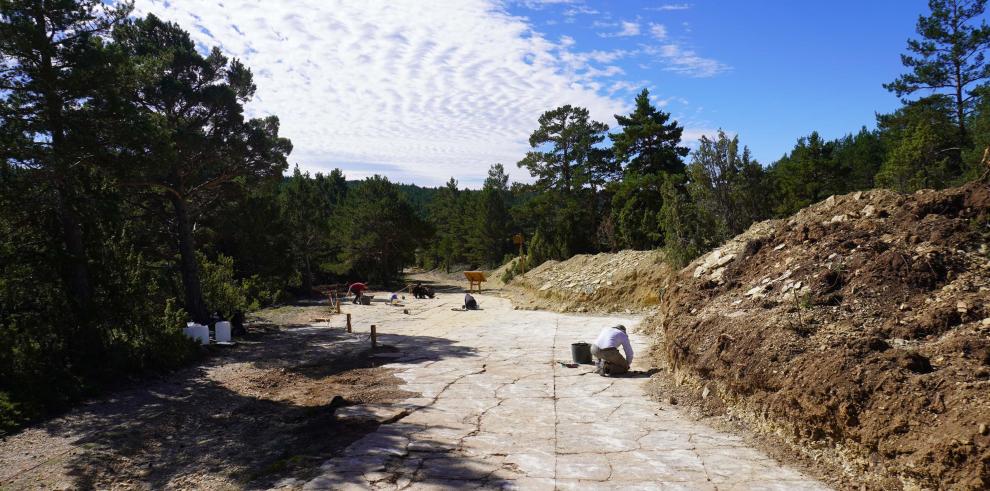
(606, 351)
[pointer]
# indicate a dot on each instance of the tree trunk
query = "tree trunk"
(956, 160)
(188, 264)
(75, 271)
(961, 114)
(307, 284)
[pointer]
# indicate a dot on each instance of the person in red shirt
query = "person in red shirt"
(358, 288)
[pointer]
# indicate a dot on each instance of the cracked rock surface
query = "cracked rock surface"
(496, 411)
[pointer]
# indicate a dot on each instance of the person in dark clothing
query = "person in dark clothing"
(420, 291)
(469, 302)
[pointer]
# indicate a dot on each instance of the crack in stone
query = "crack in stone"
(477, 425)
(612, 412)
(419, 467)
(607, 387)
(704, 467)
(394, 475)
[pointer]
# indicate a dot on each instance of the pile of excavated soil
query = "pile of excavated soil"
(607, 282)
(857, 332)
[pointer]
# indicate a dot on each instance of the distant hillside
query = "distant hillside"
(419, 196)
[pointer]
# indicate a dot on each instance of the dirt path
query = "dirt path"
(495, 411)
(467, 400)
(246, 417)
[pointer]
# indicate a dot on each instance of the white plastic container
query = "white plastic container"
(223, 332)
(203, 333)
(188, 330)
(198, 332)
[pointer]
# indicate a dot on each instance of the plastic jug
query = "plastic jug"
(222, 332)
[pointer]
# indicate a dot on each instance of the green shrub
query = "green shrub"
(221, 289)
(10, 414)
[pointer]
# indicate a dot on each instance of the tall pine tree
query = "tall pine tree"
(52, 59)
(649, 142)
(188, 136)
(949, 58)
(490, 239)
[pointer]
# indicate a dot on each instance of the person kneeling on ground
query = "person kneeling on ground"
(420, 291)
(469, 302)
(606, 351)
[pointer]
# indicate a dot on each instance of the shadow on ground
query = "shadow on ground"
(190, 430)
(384, 457)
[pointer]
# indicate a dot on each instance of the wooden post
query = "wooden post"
(338, 303)
(374, 337)
(522, 258)
(348, 322)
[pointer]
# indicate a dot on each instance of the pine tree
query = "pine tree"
(949, 57)
(920, 133)
(307, 205)
(449, 218)
(808, 174)
(563, 171)
(914, 162)
(188, 137)
(649, 142)
(636, 204)
(727, 186)
(682, 223)
(378, 230)
(571, 135)
(490, 233)
(51, 58)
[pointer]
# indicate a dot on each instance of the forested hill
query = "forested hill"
(419, 197)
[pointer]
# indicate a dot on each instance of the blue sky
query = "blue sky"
(425, 91)
(789, 67)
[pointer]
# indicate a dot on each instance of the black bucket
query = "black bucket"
(581, 353)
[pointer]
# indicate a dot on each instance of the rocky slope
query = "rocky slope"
(607, 282)
(857, 332)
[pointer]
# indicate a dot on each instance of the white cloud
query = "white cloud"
(539, 4)
(685, 61)
(671, 6)
(628, 29)
(580, 10)
(665, 101)
(658, 31)
(411, 89)
(623, 85)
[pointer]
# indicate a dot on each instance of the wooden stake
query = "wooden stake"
(374, 337)
(338, 304)
(348, 322)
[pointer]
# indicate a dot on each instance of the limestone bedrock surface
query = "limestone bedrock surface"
(496, 411)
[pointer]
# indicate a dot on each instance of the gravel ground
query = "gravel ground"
(245, 417)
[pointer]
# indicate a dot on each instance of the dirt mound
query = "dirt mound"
(607, 282)
(857, 331)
